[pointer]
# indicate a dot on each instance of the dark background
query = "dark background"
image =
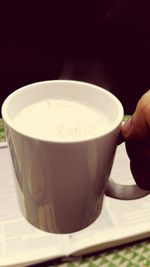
(107, 44)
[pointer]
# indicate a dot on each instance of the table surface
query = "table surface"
(136, 254)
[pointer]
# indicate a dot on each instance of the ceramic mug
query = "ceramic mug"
(61, 185)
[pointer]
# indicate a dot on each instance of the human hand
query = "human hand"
(136, 133)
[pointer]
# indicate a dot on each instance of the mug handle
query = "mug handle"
(124, 192)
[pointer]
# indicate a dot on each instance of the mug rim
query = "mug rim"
(114, 125)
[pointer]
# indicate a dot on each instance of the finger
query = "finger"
(121, 138)
(141, 173)
(136, 133)
(138, 150)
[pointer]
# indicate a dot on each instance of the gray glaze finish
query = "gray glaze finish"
(60, 186)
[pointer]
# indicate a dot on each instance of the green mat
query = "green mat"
(137, 255)
(2, 134)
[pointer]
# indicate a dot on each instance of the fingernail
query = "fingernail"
(126, 125)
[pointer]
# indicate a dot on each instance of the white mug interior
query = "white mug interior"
(90, 94)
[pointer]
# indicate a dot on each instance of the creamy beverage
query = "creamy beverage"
(61, 120)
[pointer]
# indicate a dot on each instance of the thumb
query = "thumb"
(138, 126)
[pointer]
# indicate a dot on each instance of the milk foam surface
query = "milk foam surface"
(61, 120)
